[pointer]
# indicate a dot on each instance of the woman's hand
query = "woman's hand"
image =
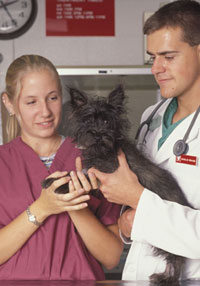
(50, 202)
(88, 185)
(122, 186)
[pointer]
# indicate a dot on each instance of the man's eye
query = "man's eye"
(169, 58)
(151, 60)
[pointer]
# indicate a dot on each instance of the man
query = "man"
(173, 43)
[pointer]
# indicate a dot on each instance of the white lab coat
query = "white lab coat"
(163, 224)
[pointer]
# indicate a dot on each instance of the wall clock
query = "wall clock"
(16, 17)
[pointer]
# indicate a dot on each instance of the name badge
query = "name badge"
(187, 159)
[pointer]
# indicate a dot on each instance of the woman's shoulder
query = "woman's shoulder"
(14, 146)
(9, 145)
(70, 145)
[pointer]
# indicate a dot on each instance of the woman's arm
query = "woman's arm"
(102, 241)
(16, 233)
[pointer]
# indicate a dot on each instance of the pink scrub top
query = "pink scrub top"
(55, 251)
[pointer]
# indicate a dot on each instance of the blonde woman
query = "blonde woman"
(44, 235)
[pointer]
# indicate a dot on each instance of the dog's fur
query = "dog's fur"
(99, 126)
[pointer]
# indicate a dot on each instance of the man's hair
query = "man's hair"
(183, 14)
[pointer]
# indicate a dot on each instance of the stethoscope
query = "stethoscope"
(180, 147)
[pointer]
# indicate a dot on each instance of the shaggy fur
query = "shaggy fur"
(99, 126)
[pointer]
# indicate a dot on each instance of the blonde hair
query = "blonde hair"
(16, 71)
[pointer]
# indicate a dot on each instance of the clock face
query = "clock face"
(16, 17)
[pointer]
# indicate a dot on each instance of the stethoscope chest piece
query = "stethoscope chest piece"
(180, 147)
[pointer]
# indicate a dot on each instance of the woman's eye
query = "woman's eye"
(53, 98)
(30, 102)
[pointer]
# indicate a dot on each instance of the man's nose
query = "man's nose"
(158, 66)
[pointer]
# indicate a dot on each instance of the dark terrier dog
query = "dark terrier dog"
(100, 126)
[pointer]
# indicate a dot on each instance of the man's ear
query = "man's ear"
(6, 101)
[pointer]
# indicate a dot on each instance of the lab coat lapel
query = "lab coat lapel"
(151, 141)
(166, 150)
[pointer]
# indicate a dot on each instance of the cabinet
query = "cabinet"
(139, 84)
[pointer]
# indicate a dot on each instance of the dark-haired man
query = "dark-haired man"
(173, 43)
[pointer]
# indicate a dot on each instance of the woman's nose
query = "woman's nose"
(45, 110)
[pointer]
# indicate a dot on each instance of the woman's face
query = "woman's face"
(38, 108)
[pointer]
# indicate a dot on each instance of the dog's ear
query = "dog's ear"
(116, 97)
(78, 98)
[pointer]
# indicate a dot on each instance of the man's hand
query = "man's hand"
(125, 222)
(122, 186)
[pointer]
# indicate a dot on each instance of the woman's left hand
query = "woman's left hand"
(79, 179)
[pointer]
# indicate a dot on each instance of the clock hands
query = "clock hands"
(4, 6)
(7, 3)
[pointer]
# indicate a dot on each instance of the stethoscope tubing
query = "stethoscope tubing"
(148, 120)
(180, 147)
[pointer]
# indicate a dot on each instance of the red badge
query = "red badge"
(187, 159)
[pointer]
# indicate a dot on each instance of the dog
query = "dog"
(100, 126)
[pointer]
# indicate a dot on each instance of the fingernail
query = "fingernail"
(80, 191)
(91, 174)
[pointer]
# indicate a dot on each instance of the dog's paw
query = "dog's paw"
(63, 189)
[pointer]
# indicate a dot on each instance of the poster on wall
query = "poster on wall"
(80, 18)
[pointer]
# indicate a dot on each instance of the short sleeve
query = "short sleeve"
(108, 213)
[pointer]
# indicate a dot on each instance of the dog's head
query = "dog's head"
(97, 123)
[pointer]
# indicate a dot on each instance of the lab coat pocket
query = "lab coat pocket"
(186, 171)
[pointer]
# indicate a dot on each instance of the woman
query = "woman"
(44, 235)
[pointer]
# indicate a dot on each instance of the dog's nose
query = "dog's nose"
(97, 137)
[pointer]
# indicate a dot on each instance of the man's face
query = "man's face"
(176, 65)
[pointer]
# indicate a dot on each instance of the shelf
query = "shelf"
(105, 70)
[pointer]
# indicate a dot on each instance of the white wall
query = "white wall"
(125, 48)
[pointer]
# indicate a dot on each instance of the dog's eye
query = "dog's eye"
(106, 122)
(87, 120)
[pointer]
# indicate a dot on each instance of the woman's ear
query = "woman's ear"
(7, 103)
(198, 48)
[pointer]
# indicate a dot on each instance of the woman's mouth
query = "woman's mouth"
(46, 123)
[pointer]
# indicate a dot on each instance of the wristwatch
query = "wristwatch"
(32, 218)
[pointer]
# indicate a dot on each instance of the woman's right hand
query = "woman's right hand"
(50, 202)
(47, 204)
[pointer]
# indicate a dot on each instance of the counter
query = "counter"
(86, 283)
